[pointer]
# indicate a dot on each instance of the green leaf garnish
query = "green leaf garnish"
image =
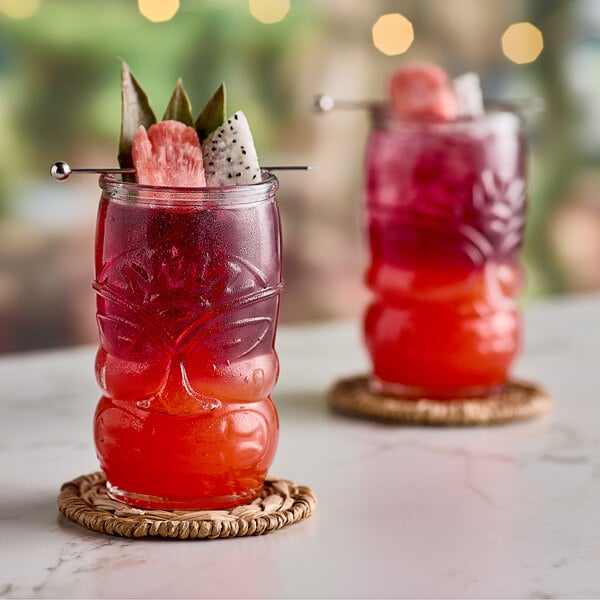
(180, 107)
(213, 113)
(135, 111)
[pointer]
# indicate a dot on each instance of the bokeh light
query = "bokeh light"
(393, 34)
(65, 55)
(158, 11)
(19, 9)
(269, 11)
(522, 43)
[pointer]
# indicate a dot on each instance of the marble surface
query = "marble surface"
(505, 512)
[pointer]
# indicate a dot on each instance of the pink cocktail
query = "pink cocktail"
(187, 283)
(445, 217)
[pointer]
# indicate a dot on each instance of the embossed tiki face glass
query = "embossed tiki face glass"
(187, 284)
(445, 215)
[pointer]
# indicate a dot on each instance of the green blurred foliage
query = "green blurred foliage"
(60, 100)
(59, 72)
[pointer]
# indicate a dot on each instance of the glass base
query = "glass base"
(408, 392)
(158, 502)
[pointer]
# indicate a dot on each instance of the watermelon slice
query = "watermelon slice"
(422, 90)
(213, 114)
(168, 154)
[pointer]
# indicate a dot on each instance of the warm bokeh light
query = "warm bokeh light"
(269, 11)
(393, 34)
(19, 9)
(522, 43)
(158, 11)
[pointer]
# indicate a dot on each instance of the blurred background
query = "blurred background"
(60, 100)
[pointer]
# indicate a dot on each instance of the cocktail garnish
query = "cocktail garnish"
(168, 154)
(213, 114)
(422, 90)
(135, 111)
(179, 107)
(229, 154)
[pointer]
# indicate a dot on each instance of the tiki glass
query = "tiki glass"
(445, 215)
(187, 284)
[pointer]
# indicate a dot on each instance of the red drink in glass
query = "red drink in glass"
(187, 284)
(445, 218)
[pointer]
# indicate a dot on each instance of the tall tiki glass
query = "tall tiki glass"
(187, 283)
(445, 215)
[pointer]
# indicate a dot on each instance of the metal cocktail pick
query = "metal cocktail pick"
(61, 170)
(324, 103)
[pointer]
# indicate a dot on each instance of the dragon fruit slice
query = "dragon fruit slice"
(168, 154)
(422, 90)
(229, 154)
(469, 97)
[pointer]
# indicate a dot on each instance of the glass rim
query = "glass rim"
(383, 117)
(128, 192)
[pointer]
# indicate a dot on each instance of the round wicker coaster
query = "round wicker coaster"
(85, 500)
(517, 401)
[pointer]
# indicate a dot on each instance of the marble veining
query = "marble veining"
(508, 511)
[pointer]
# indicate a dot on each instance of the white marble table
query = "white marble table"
(505, 512)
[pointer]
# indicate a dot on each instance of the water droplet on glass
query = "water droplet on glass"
(258, 376)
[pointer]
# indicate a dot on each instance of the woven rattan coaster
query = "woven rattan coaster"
(85, 500)
(517, 401)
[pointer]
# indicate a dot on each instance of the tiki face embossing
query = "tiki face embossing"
(445, 214)
(189, 328)
(187, 286)
(471, 245)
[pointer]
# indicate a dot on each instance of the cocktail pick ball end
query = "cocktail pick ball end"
(323, 103)
(60, 170)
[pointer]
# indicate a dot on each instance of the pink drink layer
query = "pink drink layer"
(187, 308)
(445, 217)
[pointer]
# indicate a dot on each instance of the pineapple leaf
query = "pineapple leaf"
(135, 111)
(213, 113)
(180, 107)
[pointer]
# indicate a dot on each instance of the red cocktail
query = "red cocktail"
(187, 283)
(445, 216)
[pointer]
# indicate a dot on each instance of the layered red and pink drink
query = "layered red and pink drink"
(188, 292)
(445, 200)
(188, 275)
